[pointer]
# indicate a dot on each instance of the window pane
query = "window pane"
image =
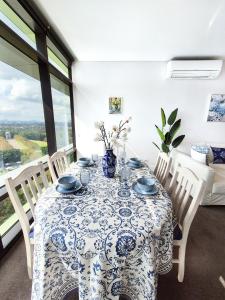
(62, 112)
(56, 58)
(22, 127)
(11, 19)
(56, 62)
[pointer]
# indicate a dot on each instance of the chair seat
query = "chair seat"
(177, 233)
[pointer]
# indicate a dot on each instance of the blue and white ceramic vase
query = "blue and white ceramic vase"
(109, 163)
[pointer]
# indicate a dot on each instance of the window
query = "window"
(11, 19)
(57, 59)
(22, 126)
(62, 112)
(35, 98)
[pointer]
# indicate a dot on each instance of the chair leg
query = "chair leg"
(29, 253)
(181, 265)
(29, 270)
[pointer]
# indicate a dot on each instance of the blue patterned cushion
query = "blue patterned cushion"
(31, 233)
(201, 149)
(218, 155)
(177, 233)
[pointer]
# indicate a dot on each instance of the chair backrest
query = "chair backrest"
(186, 191)
(57, 164)
(33, 181)
(162, 167)
(202, 171)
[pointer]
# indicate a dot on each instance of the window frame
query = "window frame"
(43, 30)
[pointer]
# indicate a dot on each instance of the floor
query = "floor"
(205, 262)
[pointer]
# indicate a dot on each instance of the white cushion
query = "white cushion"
(200, 157)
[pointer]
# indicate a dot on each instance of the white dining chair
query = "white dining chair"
(162, 168)
(57, 164)
(33, 182)
(186, 191)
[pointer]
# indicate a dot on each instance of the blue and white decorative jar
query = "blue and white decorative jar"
(109, 163)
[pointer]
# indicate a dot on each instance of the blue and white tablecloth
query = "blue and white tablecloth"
(101, 243)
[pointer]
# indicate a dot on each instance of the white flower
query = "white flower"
(129, 119)
(98, 138)
(115, 128)
(115, 142)
(98, 125)
(128, 129)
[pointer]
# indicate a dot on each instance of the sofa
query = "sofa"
(212, 174)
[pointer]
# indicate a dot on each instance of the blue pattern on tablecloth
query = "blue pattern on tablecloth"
(101, 243)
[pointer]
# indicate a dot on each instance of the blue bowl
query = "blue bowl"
(84, 161)
(146, 183)
(67, 182)
(134, 161)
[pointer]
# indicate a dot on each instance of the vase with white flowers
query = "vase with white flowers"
(111, 139)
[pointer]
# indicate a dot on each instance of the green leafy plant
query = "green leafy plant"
(168, 131)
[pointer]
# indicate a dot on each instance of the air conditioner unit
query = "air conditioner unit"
(194, 69)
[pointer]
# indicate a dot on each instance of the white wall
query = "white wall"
(144, 89)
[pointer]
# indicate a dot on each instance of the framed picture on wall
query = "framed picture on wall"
(115, 105)
(216, 111)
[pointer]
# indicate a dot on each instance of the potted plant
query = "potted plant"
(168, 132)
(111, 139)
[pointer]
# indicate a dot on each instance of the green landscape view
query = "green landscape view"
(20, 143)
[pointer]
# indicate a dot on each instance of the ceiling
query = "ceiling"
(139, 30)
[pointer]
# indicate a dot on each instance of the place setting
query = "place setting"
(72, 186)
(125, 172)
(135, 163)
(145, 186)
(85, 162)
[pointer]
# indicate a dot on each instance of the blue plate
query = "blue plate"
(64, 191)
(135, 187)
(133, 166)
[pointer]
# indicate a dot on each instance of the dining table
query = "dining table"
(100, 244)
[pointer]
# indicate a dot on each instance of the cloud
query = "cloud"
(21, 98)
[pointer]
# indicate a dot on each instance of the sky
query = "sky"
(20, 97)
(20, 94)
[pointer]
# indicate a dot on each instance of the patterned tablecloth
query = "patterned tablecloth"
(104, 244)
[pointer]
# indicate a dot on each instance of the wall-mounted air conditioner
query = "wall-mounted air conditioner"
(194, 69)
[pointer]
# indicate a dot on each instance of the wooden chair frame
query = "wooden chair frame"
(27, 178)
(162, 167)
(186, 191)
(57, 164)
